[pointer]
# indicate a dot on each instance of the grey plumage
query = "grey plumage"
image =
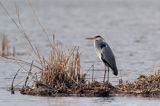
(105, 53)
(109, 59)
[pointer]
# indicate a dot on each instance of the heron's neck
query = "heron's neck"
(99, 44)
(98, 47)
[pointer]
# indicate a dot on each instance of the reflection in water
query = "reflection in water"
(102, 101)
(6, 99)
(83, 101)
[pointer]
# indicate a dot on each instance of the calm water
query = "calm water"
(132, 29)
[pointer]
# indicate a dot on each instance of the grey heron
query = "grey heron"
(105, 54)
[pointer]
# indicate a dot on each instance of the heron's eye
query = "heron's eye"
(102, 46)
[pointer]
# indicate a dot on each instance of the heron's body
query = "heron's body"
(105, 54)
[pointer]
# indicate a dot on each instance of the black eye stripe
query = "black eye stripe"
(103, 45)
(98, 36)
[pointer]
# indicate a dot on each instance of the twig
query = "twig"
(93, 72)
(121, 79)
(14, 52)
(12, 88)
(28, 74)
(42, 27)
(89, 69)
(70, 54)
(18, 15)
(22, 62)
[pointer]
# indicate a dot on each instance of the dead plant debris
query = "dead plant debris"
(143, 85)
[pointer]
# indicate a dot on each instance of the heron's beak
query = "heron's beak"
(90, 38)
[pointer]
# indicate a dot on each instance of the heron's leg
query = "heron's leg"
(104, 74)
(108, 76)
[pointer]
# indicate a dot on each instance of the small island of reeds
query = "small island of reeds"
(61, 75)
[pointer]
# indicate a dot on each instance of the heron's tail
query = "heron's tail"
(115, 71)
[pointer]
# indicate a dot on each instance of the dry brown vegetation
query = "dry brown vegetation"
(4, 46)
(61, 75)
(144, 85)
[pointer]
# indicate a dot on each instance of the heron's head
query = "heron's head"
(95, 38)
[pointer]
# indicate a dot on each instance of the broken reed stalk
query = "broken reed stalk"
(93, 73)
(12, 87)
(4, 45)
(29, 72)
(14, 51)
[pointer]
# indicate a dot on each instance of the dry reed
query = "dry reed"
(60, 73)
(4, 45)
(144, 85)
(63, 69)
(5, 49)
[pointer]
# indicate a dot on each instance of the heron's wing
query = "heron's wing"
(109, 59)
